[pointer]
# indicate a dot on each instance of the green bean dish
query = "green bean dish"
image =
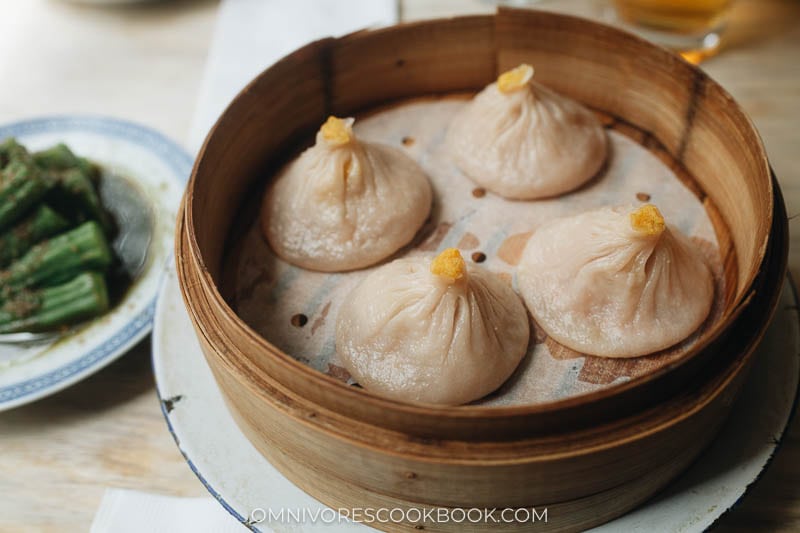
(55, 254)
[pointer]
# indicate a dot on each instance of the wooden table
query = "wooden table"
(145, 63)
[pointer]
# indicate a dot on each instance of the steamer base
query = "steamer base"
(237, 475)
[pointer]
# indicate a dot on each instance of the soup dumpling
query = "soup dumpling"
(345, 203)
(519, 139)
(615, 282)
(432, 331)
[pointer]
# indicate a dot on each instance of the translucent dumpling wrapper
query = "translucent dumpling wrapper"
(345, 203)
(434, 332)
(519, 139)
(615, 282)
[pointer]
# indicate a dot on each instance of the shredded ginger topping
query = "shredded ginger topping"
(337, 131)
(515, 79)
(449, 264)
(648, 220)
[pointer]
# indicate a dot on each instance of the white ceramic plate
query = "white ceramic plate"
(242, 481)
(159, 169)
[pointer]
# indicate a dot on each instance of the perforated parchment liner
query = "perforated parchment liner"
(296, 309)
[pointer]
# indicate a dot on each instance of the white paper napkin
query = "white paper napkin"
(249, 36)
(128, 511)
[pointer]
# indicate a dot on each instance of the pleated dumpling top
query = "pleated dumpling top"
(345, 203)
(519, 139)
(615, 282)
(433, 331)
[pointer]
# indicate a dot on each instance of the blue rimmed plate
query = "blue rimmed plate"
(158, 168)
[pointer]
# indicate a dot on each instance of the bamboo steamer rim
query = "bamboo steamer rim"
(330, 385)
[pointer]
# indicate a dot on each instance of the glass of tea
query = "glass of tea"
(691, 27)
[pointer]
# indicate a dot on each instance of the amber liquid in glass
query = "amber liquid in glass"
(682, 16)
(688, 26)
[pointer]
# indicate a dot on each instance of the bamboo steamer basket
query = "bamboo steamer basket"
(586, 458)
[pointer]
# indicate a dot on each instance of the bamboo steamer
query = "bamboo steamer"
(587, 458)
